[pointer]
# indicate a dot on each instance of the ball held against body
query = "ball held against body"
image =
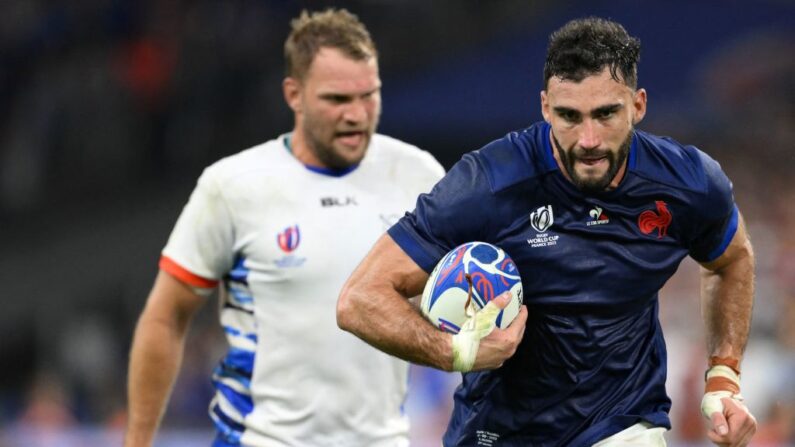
(475, 272)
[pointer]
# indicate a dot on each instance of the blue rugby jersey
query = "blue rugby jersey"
(593, 359)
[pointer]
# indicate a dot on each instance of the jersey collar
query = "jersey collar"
(318, 169)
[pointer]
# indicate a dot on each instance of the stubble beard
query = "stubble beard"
(330, 156)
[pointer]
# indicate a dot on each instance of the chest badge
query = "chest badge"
(541, 220)
(648, 220)
(598, 216)
(288, 240)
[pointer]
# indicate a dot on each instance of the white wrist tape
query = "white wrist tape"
(467, 341)
(722, 382)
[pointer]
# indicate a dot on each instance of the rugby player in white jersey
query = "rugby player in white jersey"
(278, 228)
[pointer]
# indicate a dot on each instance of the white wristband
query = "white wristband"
(467, 341)
(711, 402)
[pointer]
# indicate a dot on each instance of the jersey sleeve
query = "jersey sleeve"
(431, 173)
(717, 215)
(200, 248)
(454, 212)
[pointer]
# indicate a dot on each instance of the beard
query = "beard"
(592, 185)
(323, 148)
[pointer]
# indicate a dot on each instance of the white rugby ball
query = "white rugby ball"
(477, 269)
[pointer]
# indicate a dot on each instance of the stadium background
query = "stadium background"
(109, 109)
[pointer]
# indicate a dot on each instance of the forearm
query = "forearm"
(155, 359)
(388, 321)
(727, 301)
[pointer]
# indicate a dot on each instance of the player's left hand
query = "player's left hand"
(734, 427)
(480, 327)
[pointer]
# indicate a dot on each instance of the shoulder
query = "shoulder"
(388, 150)
(254, 161)
(517, 157)
(402, 162)
(665, 160)
(692, 175)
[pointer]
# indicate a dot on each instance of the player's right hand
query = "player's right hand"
(480, 345)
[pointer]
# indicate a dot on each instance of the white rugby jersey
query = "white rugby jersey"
(281, 238)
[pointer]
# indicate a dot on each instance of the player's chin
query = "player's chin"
(593, 169)
(352, 154)
(592, 183)
(346, 158)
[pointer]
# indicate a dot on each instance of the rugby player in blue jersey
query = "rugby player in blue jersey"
(597, 216)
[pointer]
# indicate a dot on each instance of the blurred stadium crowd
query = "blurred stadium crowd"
(109, 109)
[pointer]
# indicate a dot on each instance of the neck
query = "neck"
(299, 147)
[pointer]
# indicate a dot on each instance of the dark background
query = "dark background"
(110, 109)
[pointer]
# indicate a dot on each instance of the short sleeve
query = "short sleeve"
(716, 212)
(427, 172)
(454, 212)
(200, 248)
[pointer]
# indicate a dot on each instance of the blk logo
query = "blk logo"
(335, 201)
(542, 218)
(648, 220)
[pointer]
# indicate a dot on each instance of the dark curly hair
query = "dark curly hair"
(584, 47)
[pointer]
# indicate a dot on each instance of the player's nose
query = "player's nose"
(355, 112)
(589, 136)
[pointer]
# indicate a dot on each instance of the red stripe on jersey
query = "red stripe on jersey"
(169, 266)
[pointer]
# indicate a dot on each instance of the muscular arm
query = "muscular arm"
(727, 295)
(156, 355)
(374, 306)
(727, 289)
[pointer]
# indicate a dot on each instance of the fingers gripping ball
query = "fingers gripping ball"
(458, 297)
(473, 273)
(466, 342)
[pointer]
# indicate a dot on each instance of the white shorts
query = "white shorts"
(640, 434)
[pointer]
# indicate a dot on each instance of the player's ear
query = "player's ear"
(639, 105)
(291, 88)
(544, 105)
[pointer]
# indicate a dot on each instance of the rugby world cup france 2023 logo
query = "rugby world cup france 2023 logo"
(542, 218)
(288, 241)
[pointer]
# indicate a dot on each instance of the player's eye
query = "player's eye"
(570, 116)
(370, 95)
(605, 114)
(338, 99)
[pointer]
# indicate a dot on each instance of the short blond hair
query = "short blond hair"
(334, 28)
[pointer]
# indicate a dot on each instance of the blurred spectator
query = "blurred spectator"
(47, 406)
